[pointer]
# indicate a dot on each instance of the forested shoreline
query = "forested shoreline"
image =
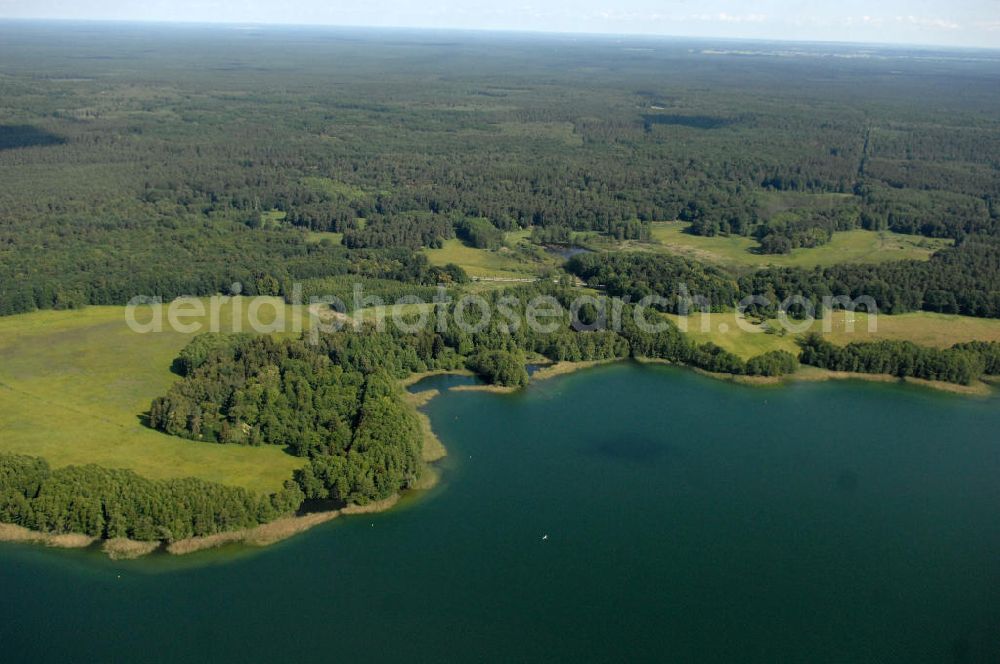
(112, 503)
(962, 364)
(338, 404)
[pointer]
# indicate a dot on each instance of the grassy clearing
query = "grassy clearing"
(848, 247)
(74, 385)
(925, 328)
(506, 262)
(745, 339)
(735, 334)
(514, 238)
(409, 313)
(318, 236)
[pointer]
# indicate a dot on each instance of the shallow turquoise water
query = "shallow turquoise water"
(688, 520)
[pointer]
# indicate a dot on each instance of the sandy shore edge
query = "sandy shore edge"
(275, 531)
(805, 373)
(263, 535)
(809, 374)
(564, 368)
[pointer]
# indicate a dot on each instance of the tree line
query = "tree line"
(109, 503)
(961, 363)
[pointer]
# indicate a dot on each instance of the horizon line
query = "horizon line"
(497, 31)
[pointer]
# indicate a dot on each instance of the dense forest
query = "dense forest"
(161, 163)
(673, 278)
(962, 363)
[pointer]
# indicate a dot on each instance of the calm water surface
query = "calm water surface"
(688, 520)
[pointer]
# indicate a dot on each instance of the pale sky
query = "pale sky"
(957, 23)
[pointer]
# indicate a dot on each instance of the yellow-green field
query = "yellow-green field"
(847, 247)
(746, 339)
(74, 385)
(925, 328)
(509, 262)
(723, 329)
(318, 236)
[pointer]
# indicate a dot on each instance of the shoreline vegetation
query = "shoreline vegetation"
(433, 451)
(275, 531)
(344, 405)
(260, 536)
(13, 533)
(804, 374)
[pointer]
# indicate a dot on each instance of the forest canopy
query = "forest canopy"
(157, 178)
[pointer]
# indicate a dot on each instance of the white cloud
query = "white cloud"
(725, 17)
(925, 22)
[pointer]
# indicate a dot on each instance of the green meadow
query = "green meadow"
(747, 338)
(856, 246)
(920, 327)
(320, 236)
(74, 386)
(517, 259)
(737, 335)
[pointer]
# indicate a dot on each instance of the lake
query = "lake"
(624, 513)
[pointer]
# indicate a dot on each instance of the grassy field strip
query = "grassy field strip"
(924, 328)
